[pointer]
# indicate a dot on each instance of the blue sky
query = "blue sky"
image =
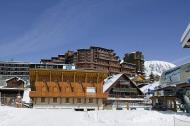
(35, 29)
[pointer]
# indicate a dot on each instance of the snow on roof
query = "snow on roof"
(121, 61)
(5, 88)
(150, 87)
(18, 79)
(124, 99)
(185, 33)
(110, 80)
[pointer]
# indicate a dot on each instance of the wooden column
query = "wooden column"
(36, 75)
(98, 78)
(62, 76)
(50, 76)
(86, 78)
(74, 77)
(175, 107)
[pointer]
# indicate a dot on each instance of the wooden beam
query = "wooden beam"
(86, 78)
(50, 76)
(36, 75)
(98, 78)
(74, 77)
(62, 76)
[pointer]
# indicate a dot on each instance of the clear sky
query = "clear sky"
(35, 29)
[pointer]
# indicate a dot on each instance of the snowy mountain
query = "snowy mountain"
(157, 67)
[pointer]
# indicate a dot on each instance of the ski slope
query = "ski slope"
(60, 117)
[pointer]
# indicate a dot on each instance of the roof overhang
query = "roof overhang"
(185, 39)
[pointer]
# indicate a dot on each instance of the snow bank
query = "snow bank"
(61, 117)
(26, 97)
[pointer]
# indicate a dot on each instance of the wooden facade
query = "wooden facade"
(70, 88)
(14, 87)
(15, 82)
(123, 93)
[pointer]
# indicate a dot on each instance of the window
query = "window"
(78, 100)
(42, 99)
(67, 100)
(90, 100)
(54, 100)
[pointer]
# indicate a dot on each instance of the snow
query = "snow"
(157, 67)
(26, 97)
(124, 99)
(185, 33)
(152, 86)
(61, 117)
(110, 80)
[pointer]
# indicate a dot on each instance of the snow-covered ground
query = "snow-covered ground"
(61, 117)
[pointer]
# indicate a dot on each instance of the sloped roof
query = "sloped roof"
(110, 80)
(17, 78)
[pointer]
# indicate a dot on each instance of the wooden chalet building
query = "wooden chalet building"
(14, 87)
(122, 93)
(72, 89)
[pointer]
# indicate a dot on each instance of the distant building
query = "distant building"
(70, 57)
(128, 69)
(71, 89)
(136, 58)
(9, 69)
(97, 58)
(185, 39)
(94, 58)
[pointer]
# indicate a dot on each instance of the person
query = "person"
(18, 102)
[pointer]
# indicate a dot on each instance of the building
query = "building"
(9, 69)
(97, 58)
(71, 89)
(52, 66)
(94, 58)
(174, 89)
(185, 39)
(136, 58)
(128, 69)
(70, 57)
(123, 93)
(14, 87)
